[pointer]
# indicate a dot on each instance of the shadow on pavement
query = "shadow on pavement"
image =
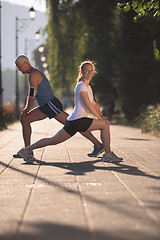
(51, 231)
(81, 168)
(138, 139)
(131, 170)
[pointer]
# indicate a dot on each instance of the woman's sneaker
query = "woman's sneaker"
(96, 151)
(111, 157)
(27, 156)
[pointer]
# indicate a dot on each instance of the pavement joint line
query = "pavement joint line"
(150, 153)
(146, 169)
(20, 222)
(140, 203)
(84, 204)
(42, 179)
(45, 181)
(138, 147)
(28, 199)
(6, 166)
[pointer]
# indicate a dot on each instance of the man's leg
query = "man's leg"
(32, 116)
(62, 118)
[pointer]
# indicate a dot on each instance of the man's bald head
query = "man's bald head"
(23, 64)
(22, 59)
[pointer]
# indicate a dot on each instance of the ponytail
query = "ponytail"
(79, 78)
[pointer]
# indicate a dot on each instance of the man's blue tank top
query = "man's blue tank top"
(44, 92)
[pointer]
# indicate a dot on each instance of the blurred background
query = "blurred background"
(122, 38)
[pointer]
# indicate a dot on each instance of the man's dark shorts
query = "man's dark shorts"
(52, 108)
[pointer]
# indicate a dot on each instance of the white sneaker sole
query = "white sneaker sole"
(112, 160)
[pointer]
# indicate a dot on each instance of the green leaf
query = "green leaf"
(127, 7)
(137, 10)
(119, 6)
(156, 51)
(156, 13)
(134, 4)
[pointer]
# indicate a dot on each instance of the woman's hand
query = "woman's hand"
(105, 119)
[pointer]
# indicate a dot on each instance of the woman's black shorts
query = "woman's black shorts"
(78, 125)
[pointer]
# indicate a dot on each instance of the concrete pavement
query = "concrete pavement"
(66, 195)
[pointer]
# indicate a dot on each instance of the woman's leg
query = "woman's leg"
(62, 119)
(105, 132)
(60, 136)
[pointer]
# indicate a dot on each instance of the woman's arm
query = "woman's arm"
(97, 108)
(89, 105)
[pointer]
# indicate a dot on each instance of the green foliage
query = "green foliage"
(142, 8)
(98, 19)
(138, 81)
(66, 40)
(156, 51)
(121, 48)
(151, 120)
(77, 31)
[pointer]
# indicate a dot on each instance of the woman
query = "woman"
(78, 121)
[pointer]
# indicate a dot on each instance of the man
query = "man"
(49, 105)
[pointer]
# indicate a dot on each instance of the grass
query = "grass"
(148, 121)
(151, 120)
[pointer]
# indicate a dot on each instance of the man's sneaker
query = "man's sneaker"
(111, 157)
(96, 151)
(27, 156)
(18, 156)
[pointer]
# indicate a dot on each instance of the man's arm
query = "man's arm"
(34, 79)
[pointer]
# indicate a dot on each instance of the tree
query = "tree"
(98, 17)
(64, 30)
(144, 8)
(79, 30)
(138, 71)
(120, 47)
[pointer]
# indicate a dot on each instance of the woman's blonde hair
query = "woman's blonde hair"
(81, 67)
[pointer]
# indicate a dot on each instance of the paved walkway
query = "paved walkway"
(69, 196)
